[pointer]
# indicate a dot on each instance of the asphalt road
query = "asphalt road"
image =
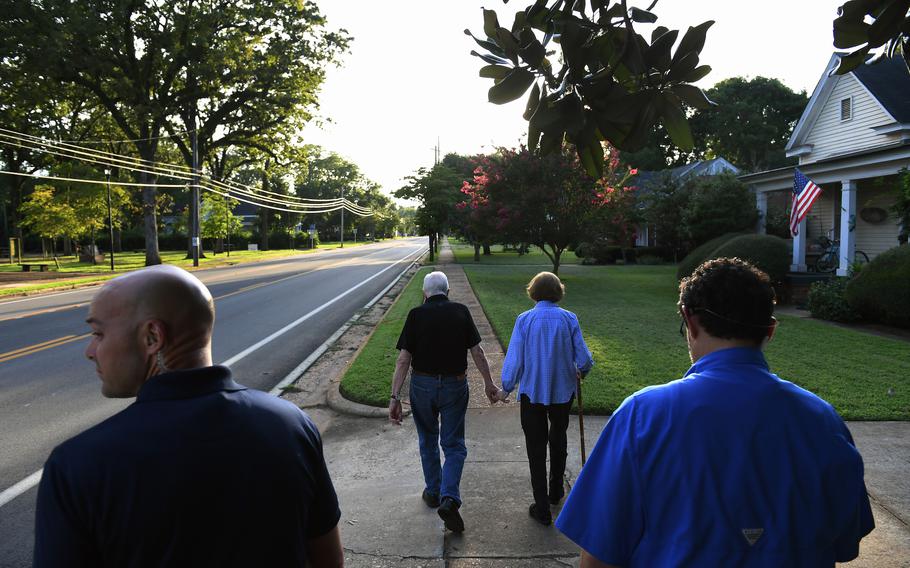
(49, 391)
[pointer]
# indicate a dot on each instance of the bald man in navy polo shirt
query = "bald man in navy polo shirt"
(728, 466)
(199, 470)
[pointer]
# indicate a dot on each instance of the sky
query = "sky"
(409, 79)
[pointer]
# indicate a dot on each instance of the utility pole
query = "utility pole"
(110, 215)
(195, 208)
(342, 216)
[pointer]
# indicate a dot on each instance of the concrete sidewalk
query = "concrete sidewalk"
(377, 473)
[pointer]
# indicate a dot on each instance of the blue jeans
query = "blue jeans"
(443, 400)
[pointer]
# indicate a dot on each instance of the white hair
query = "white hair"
(435, 283)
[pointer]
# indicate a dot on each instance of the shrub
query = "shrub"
(717, 205)
(701, 254)
(881, 290)
(769, 253)
(598, 252)
(828, 300)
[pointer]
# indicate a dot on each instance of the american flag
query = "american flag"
(804, 195)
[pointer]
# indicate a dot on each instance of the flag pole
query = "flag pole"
(581, 417)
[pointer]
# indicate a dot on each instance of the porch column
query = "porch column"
(799, 249)
(761, 201)
(847, 226)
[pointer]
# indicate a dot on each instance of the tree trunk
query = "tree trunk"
(118, 242)
(67, 246)
(149, 214)
(432, 247)
(43, 248)
(476, 252)
(486, 250)
(556, 254)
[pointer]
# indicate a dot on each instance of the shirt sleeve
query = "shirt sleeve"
(324, 513)
(61, 538)
(405, 340)
(603, 513)
(512, 365)
(472, 336)
(858, 520)
(583, 358)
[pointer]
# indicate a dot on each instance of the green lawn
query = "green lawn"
(629, 321)
(464, 254)
(369, 378)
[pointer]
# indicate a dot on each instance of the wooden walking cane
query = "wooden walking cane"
(581, 417)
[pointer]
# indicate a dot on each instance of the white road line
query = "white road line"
(32, 480)
(312, 313)
(18, 489)
(305, 364)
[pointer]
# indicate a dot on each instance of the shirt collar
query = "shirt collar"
(188, 383)
(438, 298)
(545, 304)
(731, 356)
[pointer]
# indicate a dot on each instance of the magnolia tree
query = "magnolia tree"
(549, 201)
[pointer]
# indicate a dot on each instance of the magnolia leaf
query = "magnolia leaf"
(510, 87)
(693, 40)
(533, 101)
(693, 96)
(674, 120)
(497, 72)
(490, 23)
(642, 16)
(698, 73)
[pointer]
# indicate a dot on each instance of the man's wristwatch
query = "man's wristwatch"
(395, 397)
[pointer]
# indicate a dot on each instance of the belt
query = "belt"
(460, 377)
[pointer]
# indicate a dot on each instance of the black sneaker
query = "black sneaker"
(448, 512)
(431, 500)
(540, 515)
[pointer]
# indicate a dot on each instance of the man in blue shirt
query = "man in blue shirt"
(546, 353)
(728, 466)
(199, 471)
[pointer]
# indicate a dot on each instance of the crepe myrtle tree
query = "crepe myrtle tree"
(604, 81)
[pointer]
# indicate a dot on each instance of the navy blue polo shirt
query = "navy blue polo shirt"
(728, 466)
(198, 471)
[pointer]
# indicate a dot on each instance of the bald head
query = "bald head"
(148, 322)
(168, 294)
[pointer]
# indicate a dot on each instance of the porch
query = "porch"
(854, 208)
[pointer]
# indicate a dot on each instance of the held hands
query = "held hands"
(496, 394)
(395, 411)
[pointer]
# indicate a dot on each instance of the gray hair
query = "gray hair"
(435, 283)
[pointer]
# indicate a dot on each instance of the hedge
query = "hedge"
(828, 300)
(767, 252)
(881, 290)
(702, 253)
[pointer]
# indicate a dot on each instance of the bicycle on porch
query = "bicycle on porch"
(829, 259)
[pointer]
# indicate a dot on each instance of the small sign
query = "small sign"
(196, 242)
(312, 232)
(252, 247)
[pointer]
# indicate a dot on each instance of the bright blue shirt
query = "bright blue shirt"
(728, 466)
(545, 351)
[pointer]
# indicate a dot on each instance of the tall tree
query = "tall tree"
(146, 61)
(438, 189)
(752, 122)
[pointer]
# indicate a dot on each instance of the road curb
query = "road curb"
(334, 399)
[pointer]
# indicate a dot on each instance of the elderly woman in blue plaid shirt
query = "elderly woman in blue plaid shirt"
(546, 353)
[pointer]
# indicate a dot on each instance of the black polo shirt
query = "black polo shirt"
(199, 471)
(438, 334)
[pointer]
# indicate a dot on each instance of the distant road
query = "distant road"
(50, 392)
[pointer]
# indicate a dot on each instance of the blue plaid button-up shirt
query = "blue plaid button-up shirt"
(544, 354)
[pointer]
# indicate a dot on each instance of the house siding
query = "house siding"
(821, 218)
(829, 136)
(874, 239)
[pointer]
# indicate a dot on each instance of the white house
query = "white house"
(852, 139)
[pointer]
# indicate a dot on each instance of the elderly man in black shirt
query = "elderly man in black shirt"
(434, 343)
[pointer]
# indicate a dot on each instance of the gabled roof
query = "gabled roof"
(700, 168)
(888, 81)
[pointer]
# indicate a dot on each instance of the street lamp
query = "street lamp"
(110, 215)
(342, 217)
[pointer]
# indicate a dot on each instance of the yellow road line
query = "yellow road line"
(45, 311)
(9, 356)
